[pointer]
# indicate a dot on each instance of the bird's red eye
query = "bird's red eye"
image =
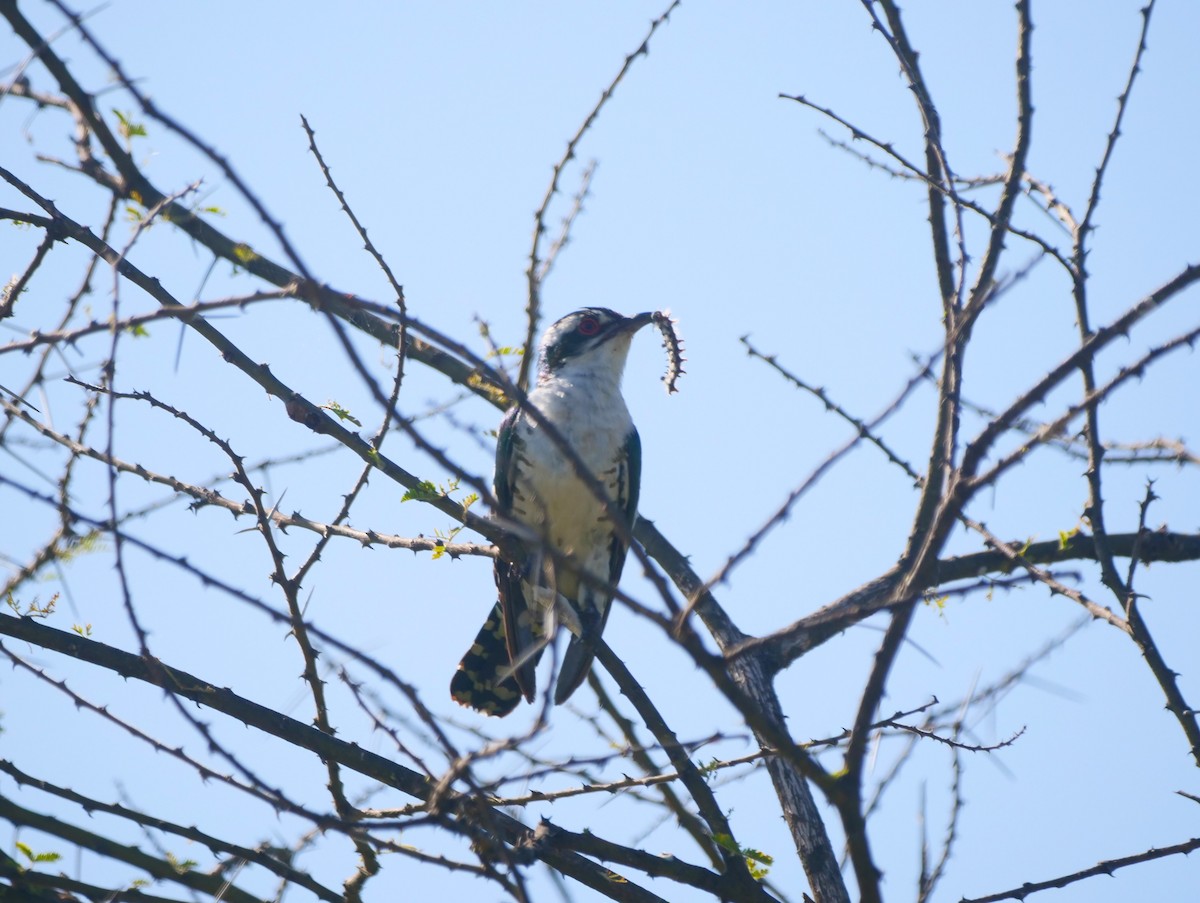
(588, 326)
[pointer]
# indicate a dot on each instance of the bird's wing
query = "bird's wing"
(582, 649)
(485, 679)
(522, 626)
(506, 442)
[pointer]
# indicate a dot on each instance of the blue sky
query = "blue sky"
(716, 199)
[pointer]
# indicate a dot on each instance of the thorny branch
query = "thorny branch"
(449, 783)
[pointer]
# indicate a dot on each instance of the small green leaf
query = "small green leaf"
(28, 853)
(128, 128)
(181, 865)
(34, 609)
(758, 856)
(1065, 537)
(710, 770)
(757, 862)
(507, 351)
(71, 549)
(424, 492)
(475, 381)
(341, 413)
(726, 842)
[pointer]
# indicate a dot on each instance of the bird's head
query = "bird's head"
(594, 338)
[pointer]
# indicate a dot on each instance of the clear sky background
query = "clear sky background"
(716, 199)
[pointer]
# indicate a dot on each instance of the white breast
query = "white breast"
(589, 412)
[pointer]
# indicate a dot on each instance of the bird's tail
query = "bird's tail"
(577, 660)
(484, 679)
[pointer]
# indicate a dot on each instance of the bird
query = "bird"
(537, 486)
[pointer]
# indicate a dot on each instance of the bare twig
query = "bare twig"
(538, 267)
(1106, 867)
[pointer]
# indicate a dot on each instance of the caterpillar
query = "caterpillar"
(674, 348)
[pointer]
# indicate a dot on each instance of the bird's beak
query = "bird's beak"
(634, 323)
(626, 327)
